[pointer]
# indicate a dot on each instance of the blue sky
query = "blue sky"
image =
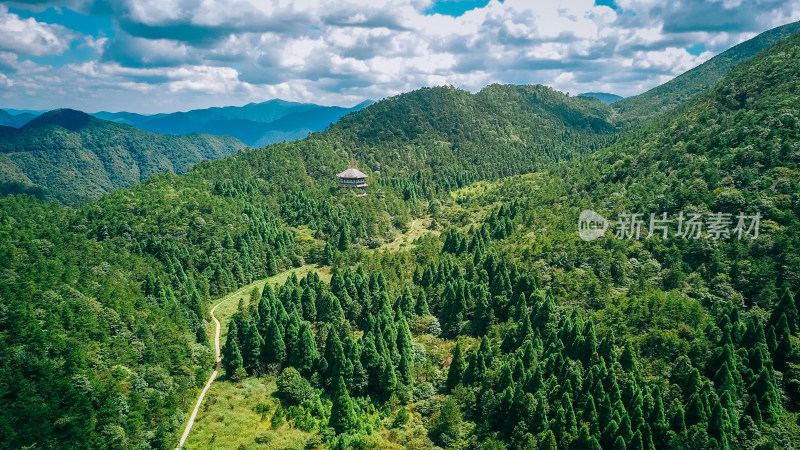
(167, 55)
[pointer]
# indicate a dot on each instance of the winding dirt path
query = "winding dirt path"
(213, 374)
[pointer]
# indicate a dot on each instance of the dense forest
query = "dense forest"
(504, 331)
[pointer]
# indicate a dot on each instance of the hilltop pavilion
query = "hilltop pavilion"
(352, 177)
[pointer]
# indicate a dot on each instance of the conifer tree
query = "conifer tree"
(305, 352)
(717, 424)
(456, 372)
(231, 357)
(274, 348)
(388, 380)
(421, 305)
(753, 410)
(678, 421)
(343, 415)
(309, 304)
(251, 346)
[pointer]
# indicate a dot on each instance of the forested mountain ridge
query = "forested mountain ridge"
(682, 88)
(73, 157)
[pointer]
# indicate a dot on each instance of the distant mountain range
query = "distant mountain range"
(15, 120)
(255, 124)
(604, 97)
(73, 157)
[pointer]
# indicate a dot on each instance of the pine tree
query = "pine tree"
(717, 424)
(783, 346)
(344, 238)
(343, 415)
(421, 305)
(231, 357)
(753, 410)
(309, 302)
(406, 303)
(768, 397)
(271, 263)
(678, 421)
(388, 380)
(619, 444)
(456, 372)
(406, 349)
(274, 348)
(251, 346)
(695, 412)
(334, 356)
(305, 352)
(787, 307)
(549, 441)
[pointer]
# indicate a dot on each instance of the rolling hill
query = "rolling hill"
(71, 156)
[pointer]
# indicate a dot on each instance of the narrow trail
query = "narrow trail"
(216, 371)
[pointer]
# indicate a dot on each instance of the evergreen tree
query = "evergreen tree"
(678, 421)
(343, 415)
(305, 352)
(270, 263)
(388, 380)
(717, 424)
(753, 410)
(309, 302)
(406, 303)
(231, 357)
(251, 346)
(456, 372)
(421, 305)
(274, 348)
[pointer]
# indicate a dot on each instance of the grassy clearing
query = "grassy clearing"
(417, 229)
(239, 415)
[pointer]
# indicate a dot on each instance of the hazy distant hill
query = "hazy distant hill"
(703, 77)
(15, 120)
(255, 124)
(604, 97)
(69, 155)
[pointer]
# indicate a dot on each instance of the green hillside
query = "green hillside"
(73, 157)
(682, 88)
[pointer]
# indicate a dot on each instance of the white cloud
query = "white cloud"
(29, 37)
(197, 53)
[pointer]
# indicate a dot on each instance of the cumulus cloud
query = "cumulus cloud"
(197, 53)
(29, 37)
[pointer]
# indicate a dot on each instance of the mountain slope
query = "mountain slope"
(75, 157)
(683, 87)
